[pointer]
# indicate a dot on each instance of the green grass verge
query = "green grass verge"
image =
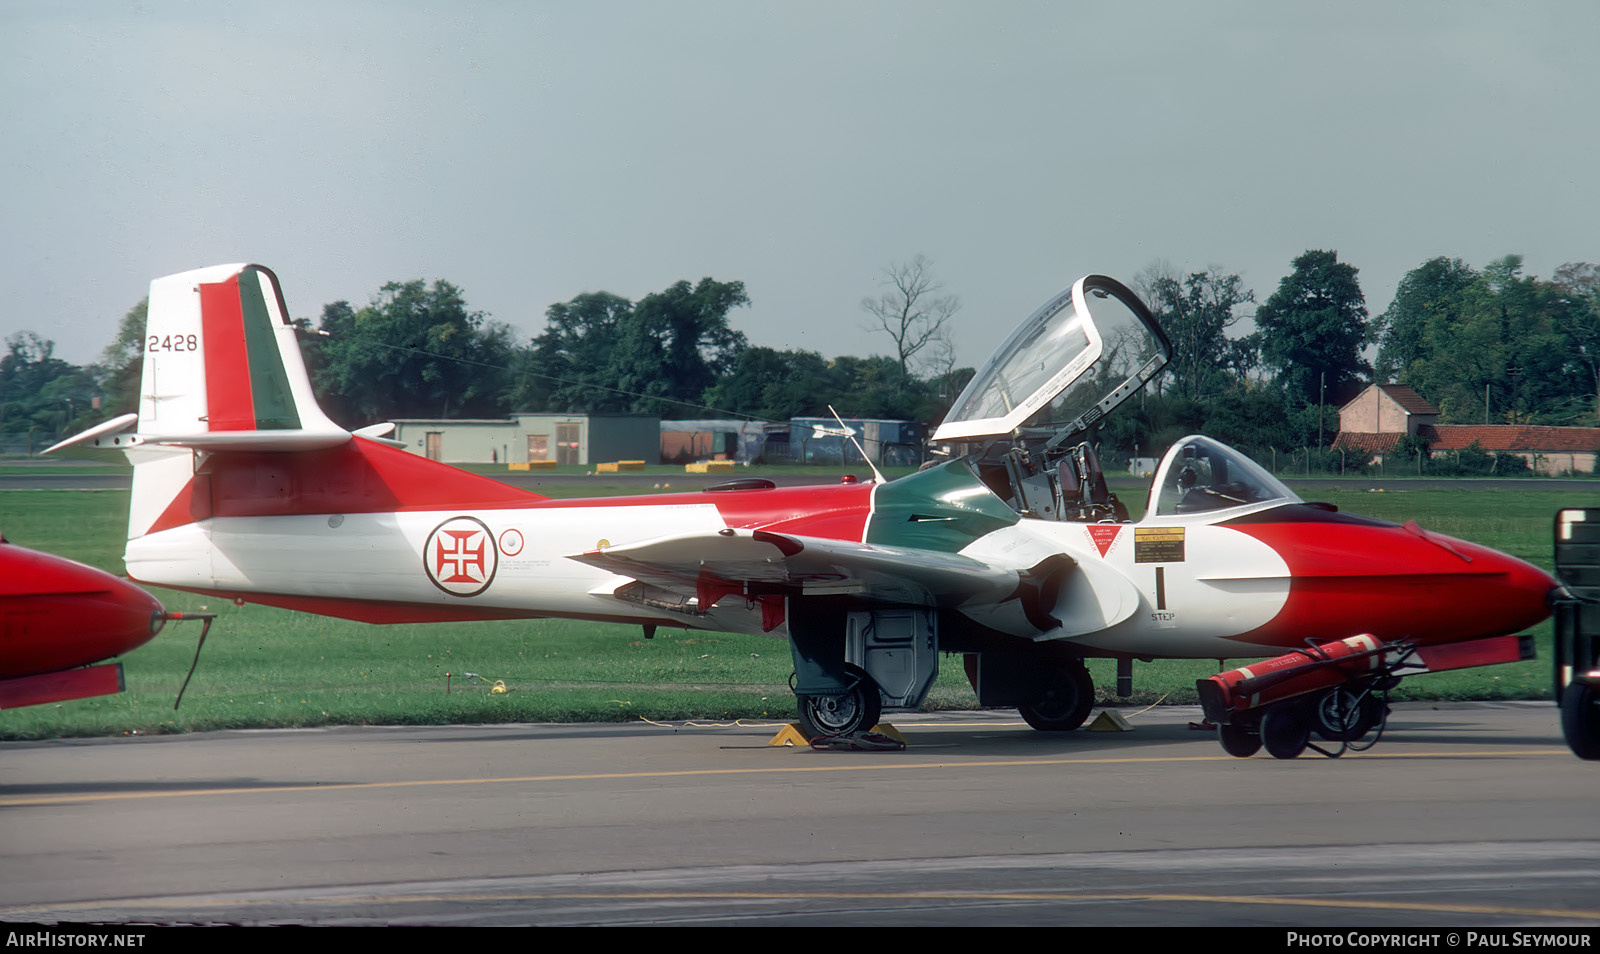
(267, 667)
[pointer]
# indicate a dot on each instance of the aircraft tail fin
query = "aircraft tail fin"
(222, 371)
(222, 368)
(228, 424)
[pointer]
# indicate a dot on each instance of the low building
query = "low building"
(1551, 451)
(1387, 409)
(820, 440)
(1383, 414)
(580, 439)
(684, 442)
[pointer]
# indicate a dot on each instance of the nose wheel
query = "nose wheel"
(1065, 702)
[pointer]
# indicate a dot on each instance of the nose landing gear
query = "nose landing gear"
(1066, 700)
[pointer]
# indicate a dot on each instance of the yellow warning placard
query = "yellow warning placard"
(1158, 544)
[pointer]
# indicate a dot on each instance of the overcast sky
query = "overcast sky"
(532, 151)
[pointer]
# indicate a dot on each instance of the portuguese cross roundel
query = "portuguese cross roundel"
(460, 556)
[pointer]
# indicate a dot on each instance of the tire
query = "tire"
(1580, 720)
(1066, 703)
(1358, 717)
(855, 710)
(1285, 731)
(1238, 741)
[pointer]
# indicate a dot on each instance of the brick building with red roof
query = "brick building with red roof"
(1381, 415)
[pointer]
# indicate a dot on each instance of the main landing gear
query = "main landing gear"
(855, 710)
(1050, 687)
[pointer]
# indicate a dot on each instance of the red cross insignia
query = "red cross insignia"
(460, 556)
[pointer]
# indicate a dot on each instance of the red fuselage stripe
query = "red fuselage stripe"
(365, 477)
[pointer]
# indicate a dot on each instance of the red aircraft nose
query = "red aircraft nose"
(1352, 577)
(56, 614)
(1515, 594)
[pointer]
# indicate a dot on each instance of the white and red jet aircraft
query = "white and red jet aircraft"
(1013, 554)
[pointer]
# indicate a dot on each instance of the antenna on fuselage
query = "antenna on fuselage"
(876, 477)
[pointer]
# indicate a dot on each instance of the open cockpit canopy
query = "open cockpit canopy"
(1024, 417)
(1078, 356)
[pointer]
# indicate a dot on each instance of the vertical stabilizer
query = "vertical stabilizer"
(222, 366)
(222, 372)
(228, 427)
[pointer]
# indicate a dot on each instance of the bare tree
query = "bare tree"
(911, 309)
(1196, 313)
(941, 362)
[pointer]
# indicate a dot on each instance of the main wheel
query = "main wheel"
(1580, 719)
(1285, 731)
(1238, 741)
(1066, 702)
(1338, 717)
(854, 710)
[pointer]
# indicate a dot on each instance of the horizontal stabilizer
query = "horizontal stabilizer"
(107, 441)
(379, 433)
(114, 438)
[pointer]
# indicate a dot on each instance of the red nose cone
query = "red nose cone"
(1397, 583)
(1514, 598)
(56, 614)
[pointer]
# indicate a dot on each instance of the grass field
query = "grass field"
(268, 667)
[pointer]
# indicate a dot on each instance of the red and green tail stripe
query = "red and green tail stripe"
(240, 333)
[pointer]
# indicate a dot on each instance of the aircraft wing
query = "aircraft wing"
(711, 564)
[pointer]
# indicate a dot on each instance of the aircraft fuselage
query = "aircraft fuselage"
(1242, 585)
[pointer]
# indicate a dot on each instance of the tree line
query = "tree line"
(1481, 344)
(1488, 345)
